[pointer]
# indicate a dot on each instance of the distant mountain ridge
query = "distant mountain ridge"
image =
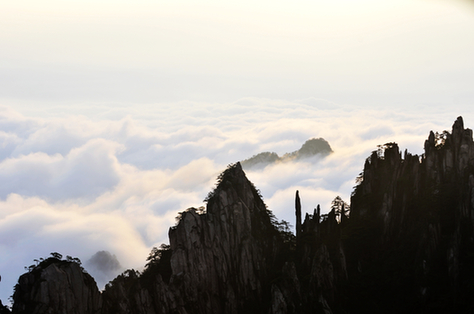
(312, 147)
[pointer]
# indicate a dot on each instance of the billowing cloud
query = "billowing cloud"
(85, 172)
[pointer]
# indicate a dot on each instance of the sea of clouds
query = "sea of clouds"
(78, 179)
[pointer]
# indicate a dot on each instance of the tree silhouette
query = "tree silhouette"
(340, 208)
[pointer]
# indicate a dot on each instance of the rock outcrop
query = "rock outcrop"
(231, 258)
(225, 255)
(56, 286)
(315, 147)
(411, 227)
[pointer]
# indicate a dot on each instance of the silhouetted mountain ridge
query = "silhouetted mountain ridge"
(407, 246)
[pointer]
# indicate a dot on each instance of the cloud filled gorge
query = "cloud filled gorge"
(78, 180)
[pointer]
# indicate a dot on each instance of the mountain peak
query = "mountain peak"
(233, 186)
(315, 147)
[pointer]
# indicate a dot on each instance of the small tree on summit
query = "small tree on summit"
(158, 262)
(56, 255)
(340, 208)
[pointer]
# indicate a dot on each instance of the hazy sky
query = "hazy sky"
(115, 115)
(155, 51)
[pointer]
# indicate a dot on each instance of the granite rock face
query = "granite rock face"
(411, 226)
(231, 258)
(56, 286)
(219, 258)
(223, 256)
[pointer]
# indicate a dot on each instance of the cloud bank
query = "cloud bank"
(83, 179)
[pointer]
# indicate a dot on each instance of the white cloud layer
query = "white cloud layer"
(114, 178)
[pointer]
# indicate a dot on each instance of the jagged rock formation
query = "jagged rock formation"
(230, 259)
(298, 213)
(56, 286)
(221, 260)
(406, 247)
(411, 227)
(225, 255)
(233, 258)
(312, 147)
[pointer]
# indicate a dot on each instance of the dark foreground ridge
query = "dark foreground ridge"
(407, 246)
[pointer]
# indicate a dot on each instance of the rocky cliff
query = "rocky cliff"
(234, 257)
(221, 260)
(410, 232)
(56, 286)
(406, 246)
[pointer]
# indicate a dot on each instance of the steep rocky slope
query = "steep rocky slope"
(56, 286)
(221, 260)
(232, 258)
(410, 232)
(406, 247)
